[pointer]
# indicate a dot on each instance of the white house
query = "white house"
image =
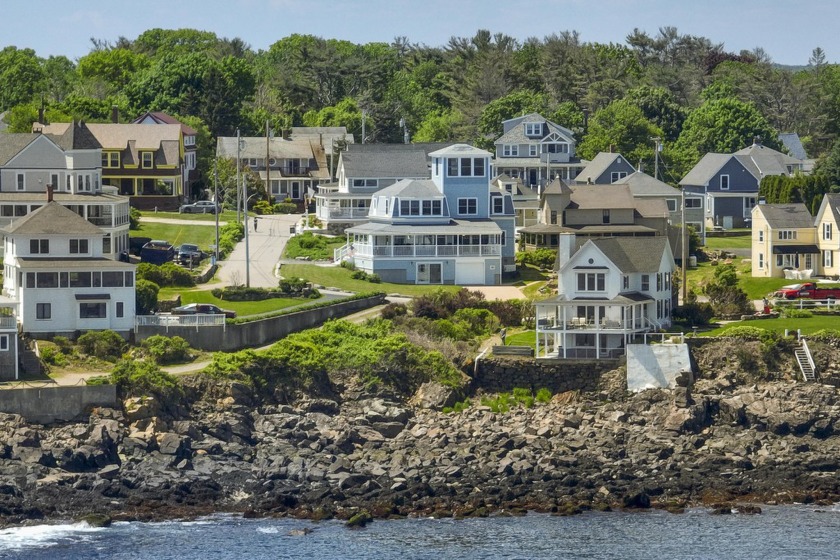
(55, 271)
(455, 228)
(609, 292)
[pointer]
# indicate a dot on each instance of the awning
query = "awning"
(795, 250)
(92, 296)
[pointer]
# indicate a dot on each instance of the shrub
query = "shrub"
(698, 313)
(65, 345)
(393, 310)
(348, 265)
(145, 296)
(523, 396)
(167, 274)
(263, 207)
(541, 258)
(285, 208)
(105, 345)
(794, 313)
(374, 279)
(53, 356)
(543, 396)
(359, 275)
(313, 221)
(137, 378)
(726, 297)
(166, 350)
(509, 312)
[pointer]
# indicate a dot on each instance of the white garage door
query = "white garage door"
(469, 274)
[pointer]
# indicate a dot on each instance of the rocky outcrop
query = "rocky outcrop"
(714, 443)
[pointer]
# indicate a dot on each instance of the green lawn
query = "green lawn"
(723, 243)
(203, 236)
(807, 325)
(226, 216)
(194, 295)
(337, 277)
(524, 338)
(756, 288)
(316, 247)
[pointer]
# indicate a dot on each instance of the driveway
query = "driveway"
(265, 245)
(498, 292)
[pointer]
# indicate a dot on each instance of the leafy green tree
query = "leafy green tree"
(346, 113)
(439, 126)
(623, 127)
(510, 106)
(146, 297)
(721, 125)
(725, 295)
(660, 108)
(114, 68)
(21, 77)
(61, 77)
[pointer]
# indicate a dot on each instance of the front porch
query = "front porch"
(345, 208)
(593, 329)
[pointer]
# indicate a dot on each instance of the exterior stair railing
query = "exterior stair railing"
(806, 361)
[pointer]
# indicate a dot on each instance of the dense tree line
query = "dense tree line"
(684, 89)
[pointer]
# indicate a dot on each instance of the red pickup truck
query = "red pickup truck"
(809, 290)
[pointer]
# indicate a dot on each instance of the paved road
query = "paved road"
(265, 245)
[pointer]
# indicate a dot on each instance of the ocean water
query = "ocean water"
(787, 532)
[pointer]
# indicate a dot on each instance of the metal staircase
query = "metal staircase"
(805, 361)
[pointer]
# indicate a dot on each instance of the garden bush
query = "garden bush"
(105, 345)
(263, 207)
(145, 296)
(138, 378)
(285, 208)
(166, 350)
(541, 258)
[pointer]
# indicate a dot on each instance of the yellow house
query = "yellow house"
(828, 234)
(784, 243)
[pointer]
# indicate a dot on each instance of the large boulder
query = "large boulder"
(435, 396)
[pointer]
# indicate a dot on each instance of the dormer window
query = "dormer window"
(498, 205)
(533, 129)
(147, 160)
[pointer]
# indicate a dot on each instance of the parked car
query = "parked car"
(200, 207)
(203, 308)
(189, 254)
(157, 251)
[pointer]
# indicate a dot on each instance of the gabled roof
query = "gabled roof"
(768, 161)
(599, 165)
(785, 216)
(53, 219)
(412, 188)
(793, 143)
(13, 143)
(705, 169)
(326, 135)
(255, 147)
(407, 161)
(516, 133)
(162, 118)
(632, 254)
(606, 197)
(77, 137)
(652, 207)
(832, 200)
(113, 136)
(642, 184)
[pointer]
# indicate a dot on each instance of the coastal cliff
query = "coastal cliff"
(725, 439)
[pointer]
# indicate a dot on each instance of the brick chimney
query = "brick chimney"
(49, 193)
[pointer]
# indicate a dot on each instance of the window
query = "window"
(510, 150)
(189, 160)
(43, 311)
(787, 235)
(39, 246)
(591, 281)
(120, 309)
(78, 246)
(826, 231)
(129, 279)
(498, 205)
(761, 236)
(110, 159)
(47, 280)
(409, 208)
(828, 259)
(146, 158)
(54, 181)
(80, 280)
(693, 202)
(658, 282)
(672, 204)
(625, 282)
(605, 216)
(533, 150)
(616, 175)
(189, 140)
(4, 343)
(553, 217)
(465, 167)
(533, 129)
(761, 260)
(724, 182)
(21, 181)
(112, 279)
(467, 206)
(645, 282)
(93, 310)
(366, 183)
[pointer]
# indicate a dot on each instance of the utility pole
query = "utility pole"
(658, 146)
(684, 244)
(238, 165)
(217, 207)
(267, 162)
(364, 116)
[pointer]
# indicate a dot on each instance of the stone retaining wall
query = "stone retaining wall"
(558, 376)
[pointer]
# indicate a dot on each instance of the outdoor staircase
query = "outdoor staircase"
(806, 362)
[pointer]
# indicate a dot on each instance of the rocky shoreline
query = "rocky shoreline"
(717, 444)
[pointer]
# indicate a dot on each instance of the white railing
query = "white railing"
(366, 250)
(341, 253)
(805, 303)
(664, 337)
(808, 355)
(342, 213)
(8, 322)
(194, 321)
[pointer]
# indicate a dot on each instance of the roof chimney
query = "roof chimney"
(49, 193)
(115, 114)
(757, 140)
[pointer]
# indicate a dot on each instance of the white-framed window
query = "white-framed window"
(21, 181)
(69, 184)
(826, 231)
(39, 246)
(787, 235)
(555, 148)
(467, 206)
(693, 202)
(828, 259)
(498, 205)
(465, 167)
(189, 160)
(616, 175)
(761, 236)
(708, 204)
(645, 282)
(510, 150)
(533, 129)
(189, 140)
(761, 261)
(672, 204)
(43, 311)
(724, 182)
(553, 217)
(591, 281)
(79, 247)
(147, 159)
(409, 207)
(432, 208)
(365, 183)
(54, 181)
(93, 310)
(533, 150)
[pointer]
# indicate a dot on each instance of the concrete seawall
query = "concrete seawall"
(56, 404)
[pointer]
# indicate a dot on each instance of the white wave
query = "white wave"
(268, 530)
(43, 536)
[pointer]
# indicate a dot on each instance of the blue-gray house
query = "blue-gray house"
(455, 228)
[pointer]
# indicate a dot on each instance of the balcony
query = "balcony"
(402, 251)
(101, 222)
(335, 214)
(8, 322)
